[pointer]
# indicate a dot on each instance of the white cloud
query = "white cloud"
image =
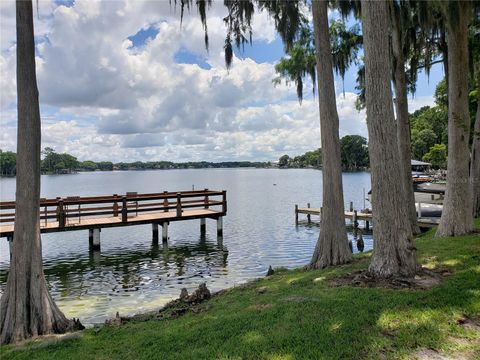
(107, 101)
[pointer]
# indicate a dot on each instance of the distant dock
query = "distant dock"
(355, 216)
(98, 212)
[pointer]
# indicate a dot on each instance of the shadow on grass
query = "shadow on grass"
(300, 316)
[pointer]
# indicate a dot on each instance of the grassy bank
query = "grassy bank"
(300, 315)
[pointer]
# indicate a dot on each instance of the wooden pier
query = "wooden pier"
(98, 212)
(356, 216)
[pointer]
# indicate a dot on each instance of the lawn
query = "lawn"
(300, 315)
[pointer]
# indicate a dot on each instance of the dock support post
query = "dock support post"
(296, 214)
(61, 214)
(10, 244)
(355, 222)
(155, 233)
(220, 226)
(124, 209)
(419, 213)
(203, 226)
(309, 217)
(351, 206)
(206, 199)
(367, 225)
(94, 239)
(164, 232)
(179, 205)
(165, 202)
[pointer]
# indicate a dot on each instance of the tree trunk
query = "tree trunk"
(27, 309)
(457, 214)
(475, 159)
(403, 121)
(332, 246)
(393, 251)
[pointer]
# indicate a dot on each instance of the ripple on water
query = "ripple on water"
(131, 275)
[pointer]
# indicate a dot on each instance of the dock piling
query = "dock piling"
(10, 245)
(220, 226)
(203, 226)
(351, 206)
(296, 214)
(309, 217)
(94, 238)
(155, 233)
(355, 221)
(164, 232)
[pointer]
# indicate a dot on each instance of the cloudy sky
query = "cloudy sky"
(123, 81)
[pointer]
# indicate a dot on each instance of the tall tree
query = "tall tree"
(27, 309)
(393, 251)
(457, 214)
(332, 246)
(475, 155)
(400, 14)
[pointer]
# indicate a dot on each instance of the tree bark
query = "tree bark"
(457, 214)
(332, 246)
(27, 309)
(403, 121)
(393, 251)
(475, 159)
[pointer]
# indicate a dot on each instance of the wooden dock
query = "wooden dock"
(97, 212)
(356, 216)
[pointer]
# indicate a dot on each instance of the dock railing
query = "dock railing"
(125, 206)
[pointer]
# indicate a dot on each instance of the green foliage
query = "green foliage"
(301, 315)
(429, 126)
(58, 163)
(422, 142)
(311, 159)
(88, 165)
(354, 151)
(284, 161)
(345, 43)
(301, 62)
(441, 97)
(437, 156)
(8, 163)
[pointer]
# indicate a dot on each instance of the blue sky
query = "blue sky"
(123, 81)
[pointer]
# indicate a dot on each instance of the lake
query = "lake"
(130, 275)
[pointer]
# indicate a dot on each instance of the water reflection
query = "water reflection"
(131, 275)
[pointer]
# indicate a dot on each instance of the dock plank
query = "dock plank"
(116, 221)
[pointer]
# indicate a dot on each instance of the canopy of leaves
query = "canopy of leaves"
(8, 162)
(300, 60)
(354, 152)
(437, 156)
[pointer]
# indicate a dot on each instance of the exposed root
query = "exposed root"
(174, 309)
(424, 279)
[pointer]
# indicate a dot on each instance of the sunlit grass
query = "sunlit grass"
(301, 316)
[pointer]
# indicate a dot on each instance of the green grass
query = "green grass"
(301, 316)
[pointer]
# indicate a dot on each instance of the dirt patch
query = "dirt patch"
(429, 354)
(261, 290)
(469, 323)
(424, 279)
(260, 307)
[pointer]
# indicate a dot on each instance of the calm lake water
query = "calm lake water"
(130, 275)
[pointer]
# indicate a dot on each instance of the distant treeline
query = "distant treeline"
(354, 152)
(55, 163)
